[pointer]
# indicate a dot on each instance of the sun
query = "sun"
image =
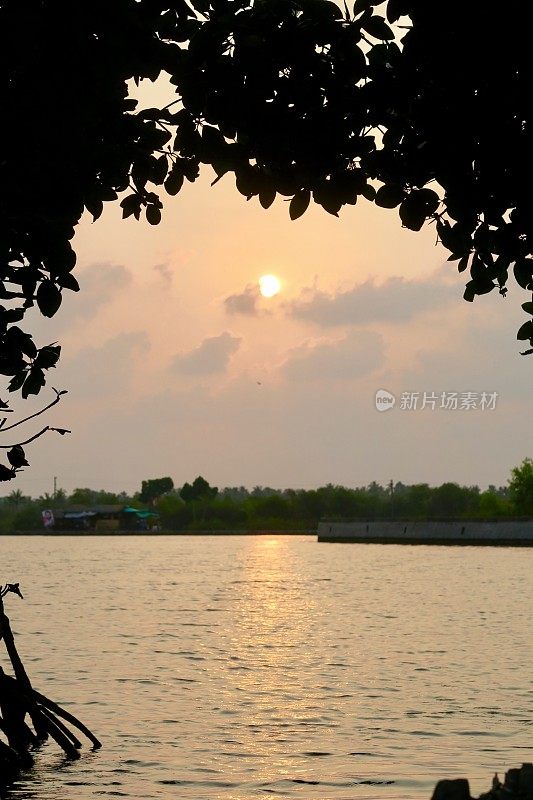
(269, 285)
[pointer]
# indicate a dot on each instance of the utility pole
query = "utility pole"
(55, 487)
(391, 489)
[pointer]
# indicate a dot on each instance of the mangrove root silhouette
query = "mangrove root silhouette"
(27, 717)
(517, 785)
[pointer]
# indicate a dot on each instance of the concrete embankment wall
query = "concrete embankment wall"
(512, 532)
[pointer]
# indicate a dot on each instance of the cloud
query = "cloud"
(396, 300)
(99, 284)
(482, 355)
(105, 370)
(243, 303)
(352, 357)
(165, 272)
(212, 355)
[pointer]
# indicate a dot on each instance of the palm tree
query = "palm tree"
(16, 498)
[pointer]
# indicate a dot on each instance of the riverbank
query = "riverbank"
(148, 534)
(508, 533)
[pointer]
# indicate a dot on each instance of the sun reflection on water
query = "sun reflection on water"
(272, 645)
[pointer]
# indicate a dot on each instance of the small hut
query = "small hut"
(99, 518)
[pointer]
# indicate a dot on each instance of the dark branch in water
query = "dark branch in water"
(18, 699)
(49, 705)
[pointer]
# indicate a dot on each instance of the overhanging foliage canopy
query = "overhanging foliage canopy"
(415, 106)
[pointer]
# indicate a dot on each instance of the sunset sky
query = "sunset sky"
(175, 364)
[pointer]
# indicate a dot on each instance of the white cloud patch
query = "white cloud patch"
(243, 303)
(350, 358)
(211, 356)
(396, 300)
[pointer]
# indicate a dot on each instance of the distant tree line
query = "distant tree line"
(200, 506)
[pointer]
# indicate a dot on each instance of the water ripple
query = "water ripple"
(228, 668)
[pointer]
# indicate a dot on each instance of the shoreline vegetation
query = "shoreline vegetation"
(478, 533)
(198, 507)
(375, 536)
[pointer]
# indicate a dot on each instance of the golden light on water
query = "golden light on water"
(269, 285)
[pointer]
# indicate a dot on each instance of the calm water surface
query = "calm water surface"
(245, 667)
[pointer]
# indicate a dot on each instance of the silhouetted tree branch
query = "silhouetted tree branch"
(427, 113)
(16, 455)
